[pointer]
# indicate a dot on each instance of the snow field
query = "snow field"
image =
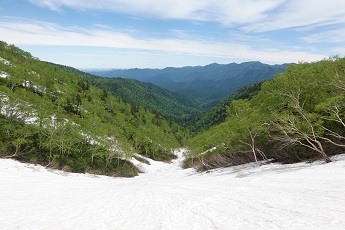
(274, 196)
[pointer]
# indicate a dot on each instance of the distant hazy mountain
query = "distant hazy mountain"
(208, 83)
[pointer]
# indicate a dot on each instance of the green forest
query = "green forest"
(65, 119)
(170, 104)
(54, 118)
(299, 115)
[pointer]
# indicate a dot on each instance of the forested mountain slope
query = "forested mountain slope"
(300, 114)
(218, 113)
(213, 82)
(170, 104)
(54, 118)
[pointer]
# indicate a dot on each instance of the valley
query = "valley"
(174, 114)
(67, 119)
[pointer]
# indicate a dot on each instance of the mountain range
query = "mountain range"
(206, 84)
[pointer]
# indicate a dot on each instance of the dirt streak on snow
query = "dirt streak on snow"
(298, 196)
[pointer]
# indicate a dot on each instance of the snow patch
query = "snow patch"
(34, 73)
(17, 110)
(273, 196)
(3, 74)
(6, 62)
(37, 88)
(209, 150)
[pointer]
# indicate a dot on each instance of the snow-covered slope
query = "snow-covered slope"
(298, 196)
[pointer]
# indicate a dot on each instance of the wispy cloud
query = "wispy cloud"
(250, 15)
(301, 14)
(338, 50)
(227, 12)
(52, 5)
(42, 33)
(330, 36)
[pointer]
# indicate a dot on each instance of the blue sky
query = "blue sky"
(161, 33)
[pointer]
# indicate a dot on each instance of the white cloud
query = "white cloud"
(251, 15)
(224, 11)
(339, 51)
(331, 36)
(42, 33)
(302, 13)
(52, 5)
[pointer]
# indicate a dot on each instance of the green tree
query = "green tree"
(291, 98)
(248, 125)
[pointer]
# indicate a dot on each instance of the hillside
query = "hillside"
(54, 118)
(218, 113)
(170, 104)
(206, 84)
(298, 115)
